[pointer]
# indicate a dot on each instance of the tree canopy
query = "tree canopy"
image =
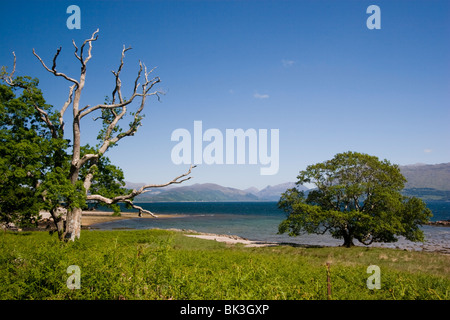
(27, 150)
(356, 196)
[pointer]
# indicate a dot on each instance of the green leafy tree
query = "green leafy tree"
(67, 176)
(27, 150)
(356, 196)
(34, 164)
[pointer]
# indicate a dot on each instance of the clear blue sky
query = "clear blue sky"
(311, 69)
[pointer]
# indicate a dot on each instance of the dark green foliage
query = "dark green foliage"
(28, 150)
(57, 191)
(357, 196)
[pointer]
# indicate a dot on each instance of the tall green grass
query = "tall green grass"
(159, 264)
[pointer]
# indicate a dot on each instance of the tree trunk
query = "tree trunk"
(348, 240)
(73, 224)
(58, 219)
(59, 222)
(73, 221)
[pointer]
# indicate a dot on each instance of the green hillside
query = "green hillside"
(434, 176)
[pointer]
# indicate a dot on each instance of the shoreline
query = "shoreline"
(234, 239)
(228, 239)
(90, 218)
(439, 223)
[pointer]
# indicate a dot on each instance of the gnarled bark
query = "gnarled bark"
(58, 214)
(73, 224)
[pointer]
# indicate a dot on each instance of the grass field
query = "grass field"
(160, 264)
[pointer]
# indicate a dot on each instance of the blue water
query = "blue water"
(259, 221)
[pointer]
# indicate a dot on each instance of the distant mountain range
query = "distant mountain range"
(211, 192)
(274, 192)
(198, 192)
(429, 182)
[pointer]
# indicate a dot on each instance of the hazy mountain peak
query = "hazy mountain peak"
(418, 164)
(252, 190)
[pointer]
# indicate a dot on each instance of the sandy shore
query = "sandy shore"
(90, 218)
(232, 240)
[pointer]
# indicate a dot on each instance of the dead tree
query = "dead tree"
(118, 108)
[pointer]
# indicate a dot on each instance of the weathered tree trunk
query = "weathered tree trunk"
(73, 221)
(59, 222)
(58, 219)
(73, 224)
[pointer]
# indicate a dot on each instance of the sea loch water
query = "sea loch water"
(260, 220)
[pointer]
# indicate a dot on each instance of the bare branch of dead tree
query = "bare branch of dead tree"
(127, 198)
(53, 69)
(66, 105)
